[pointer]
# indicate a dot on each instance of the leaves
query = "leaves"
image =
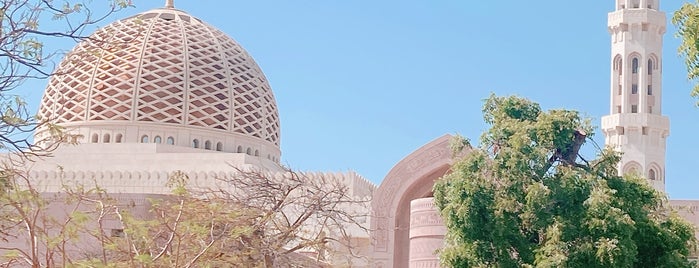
(687, 21)
(525, 199)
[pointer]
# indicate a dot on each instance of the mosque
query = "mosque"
(182, 95)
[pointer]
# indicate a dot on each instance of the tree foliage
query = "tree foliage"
(526, 198)
(251, 219)
(687, 21)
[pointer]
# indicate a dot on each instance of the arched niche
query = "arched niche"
(412, 178)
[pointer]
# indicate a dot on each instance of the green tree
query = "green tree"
(687, 21)
(526, 198)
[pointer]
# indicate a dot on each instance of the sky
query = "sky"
(361, 84)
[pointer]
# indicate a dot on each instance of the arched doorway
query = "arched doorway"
(412, 178)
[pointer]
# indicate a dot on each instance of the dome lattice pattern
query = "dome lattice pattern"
(163, 66)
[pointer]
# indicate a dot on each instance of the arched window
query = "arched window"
(171, 140)
(651, 175)
(105, 138)
(158, 139)
(219, 146)
(650, 67)
(95, 138)
(634, 66)
(257, 153)
(240, 149)
(617, 64)
(144, 139)
(207, 145)
(249, 151)
(195, 143)
(118, 138)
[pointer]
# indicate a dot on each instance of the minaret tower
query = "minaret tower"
(636, 125)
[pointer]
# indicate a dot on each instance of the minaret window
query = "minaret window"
(207, 145)
(171, 140)
(219, 146)
(634, 109)
(651, 175)
(106, 138)
(95, 138)
(158, 139)
(118, 138)
(144, 139)
(650, 90)
(650, 67)
(634, 66)
(634, 89)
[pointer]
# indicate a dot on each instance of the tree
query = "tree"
(25, 25)
(687, 21)
(526, 198)
(48, 230)
(251, 219)
(246, 219)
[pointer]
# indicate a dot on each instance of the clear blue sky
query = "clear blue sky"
(361, 84)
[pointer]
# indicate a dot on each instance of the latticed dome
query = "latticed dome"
(159, 73)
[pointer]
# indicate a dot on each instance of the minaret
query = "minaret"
(636, 125)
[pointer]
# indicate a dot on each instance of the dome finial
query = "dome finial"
(169, 3)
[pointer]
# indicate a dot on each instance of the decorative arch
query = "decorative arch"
(617, 64)
(106, 138)
(219, 146)
(412, 178)
(632, 167)
(144, 139)
(655, 169)
(634, 55)
(95, 138)
(655, 60)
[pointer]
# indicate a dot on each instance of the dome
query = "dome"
(164, 72)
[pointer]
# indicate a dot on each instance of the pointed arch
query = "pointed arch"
(652, 58)
(655, 173)
(632, 167)
(617, 64)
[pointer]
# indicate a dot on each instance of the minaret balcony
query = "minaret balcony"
(636, 16)
(636, 120)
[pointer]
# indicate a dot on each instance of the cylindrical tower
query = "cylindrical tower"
(427, 233)
(636, 126)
